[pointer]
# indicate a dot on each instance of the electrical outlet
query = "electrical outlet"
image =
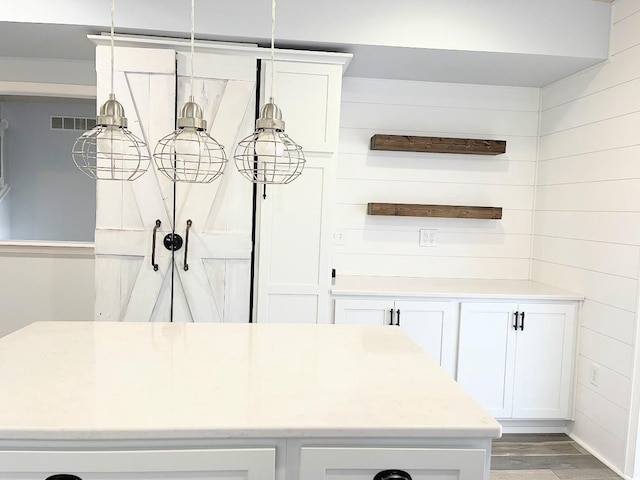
(339, 237)
(428, 237)
(593, 375)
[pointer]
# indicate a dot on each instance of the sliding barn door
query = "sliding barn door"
(208, 279)
(214, 285)
(127, 286)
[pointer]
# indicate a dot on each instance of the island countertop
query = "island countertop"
(97, 381)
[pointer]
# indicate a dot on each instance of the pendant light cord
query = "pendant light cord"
(113, 14)
(193, 30)
(273, 49)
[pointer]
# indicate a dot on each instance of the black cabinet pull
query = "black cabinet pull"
(186, 245)
(391, 317)
(153, 248)
(522, 321)
(398, 317)
(63, 476)
(392, 475)
(515, 320)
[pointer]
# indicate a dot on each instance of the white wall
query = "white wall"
(378, 245)
(45, 283)
(587, 225)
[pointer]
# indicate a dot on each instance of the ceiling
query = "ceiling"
(482, 56)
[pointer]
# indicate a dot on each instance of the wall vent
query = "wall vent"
(72, 123)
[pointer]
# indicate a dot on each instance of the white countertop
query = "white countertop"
(449, 287)
(85, 380)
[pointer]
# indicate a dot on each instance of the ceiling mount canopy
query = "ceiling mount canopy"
(110, 151)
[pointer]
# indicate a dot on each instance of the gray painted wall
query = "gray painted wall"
(50, 198)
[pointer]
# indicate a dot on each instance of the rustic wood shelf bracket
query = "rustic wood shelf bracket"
(446, 211)
(404, 143)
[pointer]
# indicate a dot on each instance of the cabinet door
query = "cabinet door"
(364, 312)
(293, 270)
(221, 464)
(487, 354)
(544, 362)
(432, 325)
(212, 283)
(365, 463)
(127, 286)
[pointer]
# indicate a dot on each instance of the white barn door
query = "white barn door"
(127, 286)
(216, 285)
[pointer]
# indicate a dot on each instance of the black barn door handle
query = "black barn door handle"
(153, 248)
(186, 245)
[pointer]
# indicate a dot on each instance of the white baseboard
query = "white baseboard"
(593, 452)
(535, 426)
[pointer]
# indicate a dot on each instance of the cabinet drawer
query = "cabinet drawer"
(223, 464)
(365, 463)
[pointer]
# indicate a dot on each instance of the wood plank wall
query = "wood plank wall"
(466, 247)
(587, 223)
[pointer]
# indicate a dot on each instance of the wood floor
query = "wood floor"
(544, 457)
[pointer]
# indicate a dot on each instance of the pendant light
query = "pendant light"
(189, 154)
(110, 151)
(268, 155)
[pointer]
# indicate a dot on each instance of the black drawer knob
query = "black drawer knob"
(392, 475)
(63, 476)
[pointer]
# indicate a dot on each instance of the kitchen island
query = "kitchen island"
(173, 401)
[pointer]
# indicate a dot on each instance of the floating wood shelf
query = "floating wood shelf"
(448, 211)
(404, 143)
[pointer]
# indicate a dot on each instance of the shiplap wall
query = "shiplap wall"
(378, 245)
(587, 224)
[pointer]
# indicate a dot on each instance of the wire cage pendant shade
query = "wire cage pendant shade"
(110, 151)
(268, 155)
(189, 154)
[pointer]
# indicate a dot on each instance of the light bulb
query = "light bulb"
(188, 151)
(116, 157)
(269, 147)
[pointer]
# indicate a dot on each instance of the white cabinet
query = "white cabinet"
(517, 359)
(222, 464)
(430, 324)
(365, 463)
(293, 266)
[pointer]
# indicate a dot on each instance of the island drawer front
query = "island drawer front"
(223, 464)
(317, 463)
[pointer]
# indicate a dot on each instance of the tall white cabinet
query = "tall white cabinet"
(137, 278)
(293, 265)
